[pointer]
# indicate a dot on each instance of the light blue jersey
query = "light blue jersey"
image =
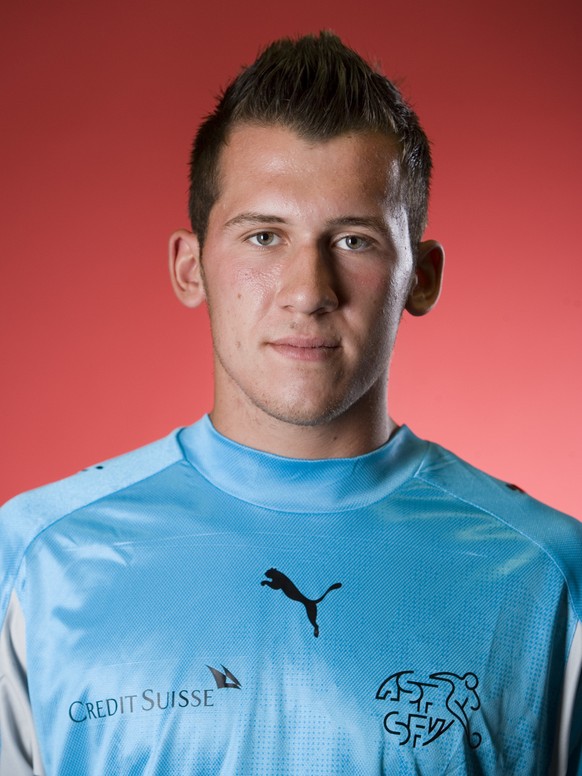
(199, 607)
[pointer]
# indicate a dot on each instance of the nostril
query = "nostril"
(308, 288)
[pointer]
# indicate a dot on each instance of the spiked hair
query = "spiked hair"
(321, 89)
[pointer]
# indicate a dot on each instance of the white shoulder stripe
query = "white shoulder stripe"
(572, 677)
(19, 750)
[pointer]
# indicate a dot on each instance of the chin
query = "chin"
(301, 413)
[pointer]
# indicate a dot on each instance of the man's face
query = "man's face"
(307, 266)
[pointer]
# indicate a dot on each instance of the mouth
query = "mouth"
(305, 348)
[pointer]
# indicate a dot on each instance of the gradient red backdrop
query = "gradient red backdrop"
(99, 104)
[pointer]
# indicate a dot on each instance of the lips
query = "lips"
(305, 348)
(297, 341)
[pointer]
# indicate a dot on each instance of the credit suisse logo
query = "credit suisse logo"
(151, 700)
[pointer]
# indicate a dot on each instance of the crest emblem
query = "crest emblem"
(420, 711)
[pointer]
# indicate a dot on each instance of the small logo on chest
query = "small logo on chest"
(420, 711)
(224, 679)
(278, 581)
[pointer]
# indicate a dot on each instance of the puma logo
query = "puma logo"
(278, 581)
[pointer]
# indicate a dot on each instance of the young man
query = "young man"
(294, 585)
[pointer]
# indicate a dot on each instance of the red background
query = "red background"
(99, 104)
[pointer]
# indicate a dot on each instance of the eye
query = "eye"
(352, 242)
(264, 239)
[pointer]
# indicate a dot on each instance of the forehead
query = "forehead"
(261, 158)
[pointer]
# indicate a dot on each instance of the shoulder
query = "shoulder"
(555, 534)
(26, 516)
(43, 505)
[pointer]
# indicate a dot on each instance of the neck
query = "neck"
(363, 428)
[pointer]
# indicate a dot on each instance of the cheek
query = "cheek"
(362, 290)
(376, 294)
(252, 287)
(399, 289)
(381, 301)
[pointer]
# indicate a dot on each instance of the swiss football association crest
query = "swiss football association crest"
(422, 710)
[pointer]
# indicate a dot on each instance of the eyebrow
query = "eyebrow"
(252, 218)
(367, 221)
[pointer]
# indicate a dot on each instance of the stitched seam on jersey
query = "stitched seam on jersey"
(420, 466)
(513, 528)
(84, 506)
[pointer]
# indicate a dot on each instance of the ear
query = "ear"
(186, 269)
(428, 275)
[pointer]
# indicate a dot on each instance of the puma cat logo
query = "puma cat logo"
(278, 581)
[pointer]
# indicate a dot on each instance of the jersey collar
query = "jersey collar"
(298, 485)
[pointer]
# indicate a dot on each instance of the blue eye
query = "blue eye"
(264, 239)
(353, 243)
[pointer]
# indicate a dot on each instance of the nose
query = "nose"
(307, 283)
